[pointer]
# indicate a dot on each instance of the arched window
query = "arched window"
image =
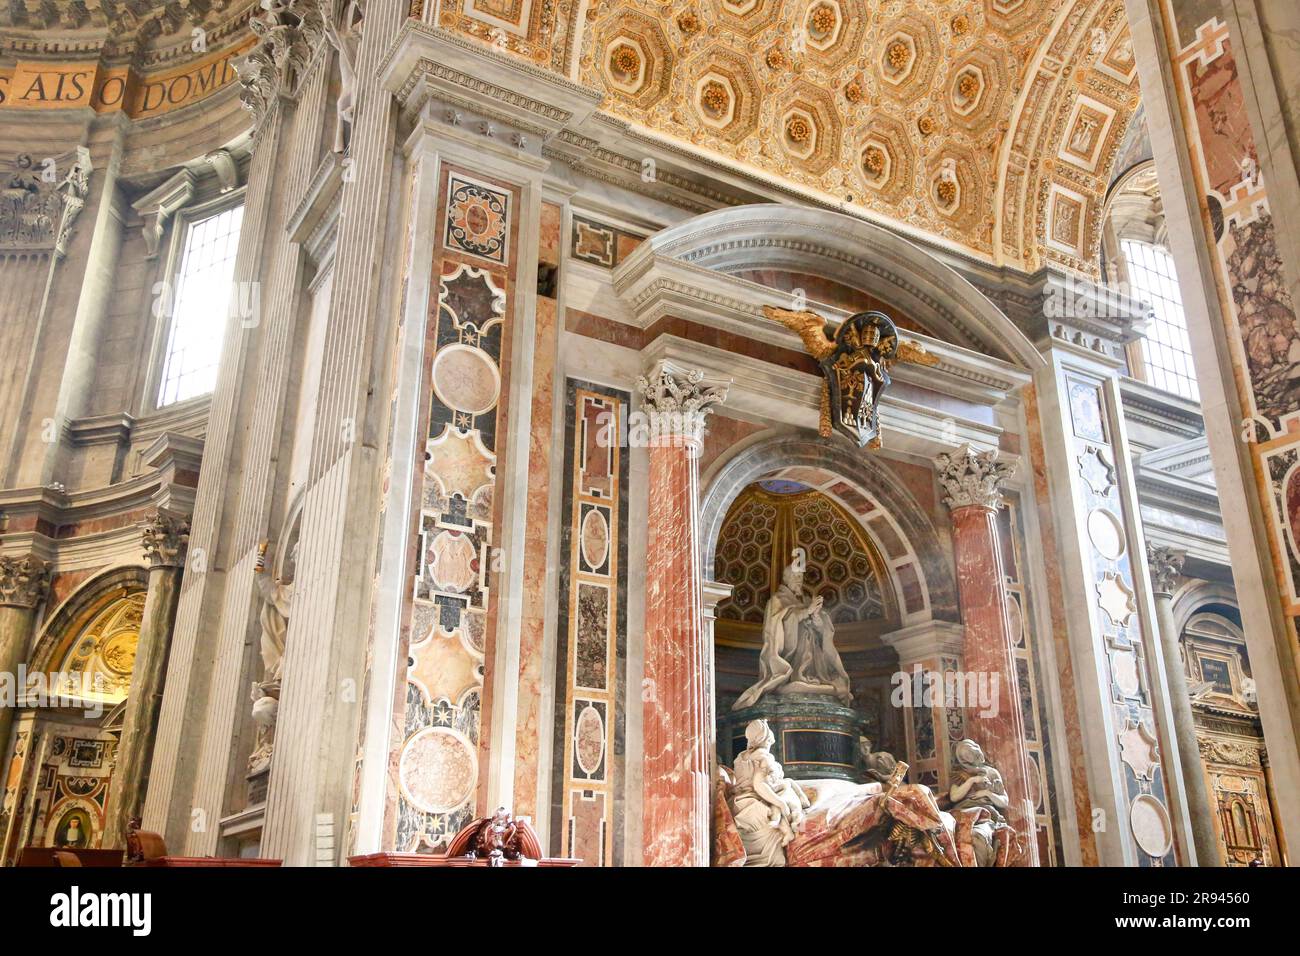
(1166, 352)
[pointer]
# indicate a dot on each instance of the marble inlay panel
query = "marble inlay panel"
(591, 653)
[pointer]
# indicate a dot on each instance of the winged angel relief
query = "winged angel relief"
(855, 361)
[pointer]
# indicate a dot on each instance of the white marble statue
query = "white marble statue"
(769, 809)
(976, 782)
(798, 655)
(266, 709)
(277, 597)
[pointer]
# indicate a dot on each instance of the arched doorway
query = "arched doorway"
(69, 722)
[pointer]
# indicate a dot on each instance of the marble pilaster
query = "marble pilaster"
(713, 593)
(166, 538)
(971, 483)
(1165, 564)
(676, 691)
(24, 585)
(926, 652)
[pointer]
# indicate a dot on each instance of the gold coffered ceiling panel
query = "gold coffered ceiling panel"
(990, 124)
(915, 111)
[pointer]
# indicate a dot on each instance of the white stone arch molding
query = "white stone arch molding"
(91, 596)
(1195, 597)
(859, 475)
(852, 252)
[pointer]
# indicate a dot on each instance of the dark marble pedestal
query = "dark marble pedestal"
(816, 736)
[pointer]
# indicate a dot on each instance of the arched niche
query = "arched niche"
(919, 567)
(764, 526)
(852, 253)
(94, 632)
(1197, 597)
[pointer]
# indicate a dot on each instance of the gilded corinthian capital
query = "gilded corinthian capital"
(24, 581)
(970, 477)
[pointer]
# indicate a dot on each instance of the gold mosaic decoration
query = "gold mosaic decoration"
(103, 652)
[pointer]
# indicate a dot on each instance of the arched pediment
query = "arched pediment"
(853, 253)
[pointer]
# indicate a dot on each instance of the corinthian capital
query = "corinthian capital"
(1165, 565)
(288, 33)
(971, 477)
(24, 581)
(166, 535)
(678, 400)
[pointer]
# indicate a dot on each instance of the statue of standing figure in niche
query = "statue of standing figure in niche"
(277, 599)
(798, 655)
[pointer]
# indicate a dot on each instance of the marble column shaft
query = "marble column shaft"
(676, 688)
(24, 585)
(165, 539)
(971, 480)
(1165, 564)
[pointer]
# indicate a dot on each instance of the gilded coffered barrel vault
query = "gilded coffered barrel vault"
(649, 432)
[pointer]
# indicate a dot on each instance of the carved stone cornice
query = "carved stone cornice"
(142, 34)
(1165, 565)
(24, 581)
(1229, 752)
(973, 478)
(166, 537)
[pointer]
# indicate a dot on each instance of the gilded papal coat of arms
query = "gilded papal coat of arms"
(855, 360)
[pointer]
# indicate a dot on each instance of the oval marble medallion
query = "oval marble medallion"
(438, 770)
(1105, 533)
(466, 378)
(589, 740)
(595, 538)
(1034, 781)
(1017, 620)
(1152, 828)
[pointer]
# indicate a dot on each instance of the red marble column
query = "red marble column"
(677, 693)
(971, 480)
